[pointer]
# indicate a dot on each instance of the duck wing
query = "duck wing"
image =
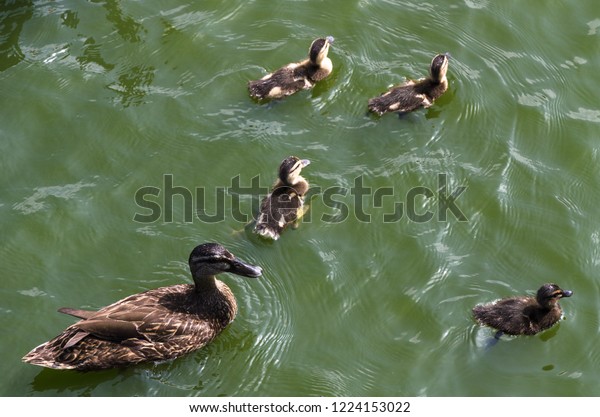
(289, 79)
(152, 316)
(103, 326)
(112, 329)
(402, 98)
(281, 207)
(149, 323)
(283, 82)
(510, 315)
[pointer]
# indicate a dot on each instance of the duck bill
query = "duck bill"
(567, 293)
(304, 162)
(330, 39)
(239, 267)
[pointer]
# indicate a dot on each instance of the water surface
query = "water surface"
(103, 98)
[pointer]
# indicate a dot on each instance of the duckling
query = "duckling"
(414, 94)
(523, 315)
(285, 203)
(296, 76)
(155, 325)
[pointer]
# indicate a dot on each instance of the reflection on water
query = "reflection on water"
(70, 19)
(13, 15)
(132, 85)
(52, 383)
(126, 26)
(92, 55)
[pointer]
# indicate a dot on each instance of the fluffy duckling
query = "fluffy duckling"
(296, 76)
(158, 324)
(285, 202)
(414, 94)
(523, 315)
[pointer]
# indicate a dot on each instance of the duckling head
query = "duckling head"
(290, 168)
(439, 67)
(549, 294)
(318, 50)
(209, 259)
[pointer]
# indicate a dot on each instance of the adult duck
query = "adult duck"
(155, 325)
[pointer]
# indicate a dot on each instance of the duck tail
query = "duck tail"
(258, 89)
(266, 231)
(377, 106)
(43, 356)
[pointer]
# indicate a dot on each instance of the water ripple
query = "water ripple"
(36, 201)
(343, 308)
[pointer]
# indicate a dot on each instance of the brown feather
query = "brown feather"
(284, 205)
(523, 315)
(294, 77)
(117, 343)
(413, 95)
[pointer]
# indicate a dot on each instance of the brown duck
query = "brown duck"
(523, 315)
(155, 325)
(297, 76)
(284, 205)
(414, 94)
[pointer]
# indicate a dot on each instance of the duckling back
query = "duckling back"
(279, 209)
(407, 97)
(281, 83)
(523, 315)
(414, 94)
(513, 316)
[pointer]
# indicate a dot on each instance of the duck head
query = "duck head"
(439, 66)
(209, 259)
(549, 294)
(290, 168)
(318, 49)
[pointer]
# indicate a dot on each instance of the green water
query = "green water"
(103, 98)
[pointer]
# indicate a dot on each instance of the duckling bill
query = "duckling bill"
(413, 95)
(523, 315)
(284, 205)
(155, 325)
(297, 76)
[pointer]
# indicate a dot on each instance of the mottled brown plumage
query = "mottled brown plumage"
(285, 203)
(297, 76)
(158, 324)
(523, 315)
(412, 95)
